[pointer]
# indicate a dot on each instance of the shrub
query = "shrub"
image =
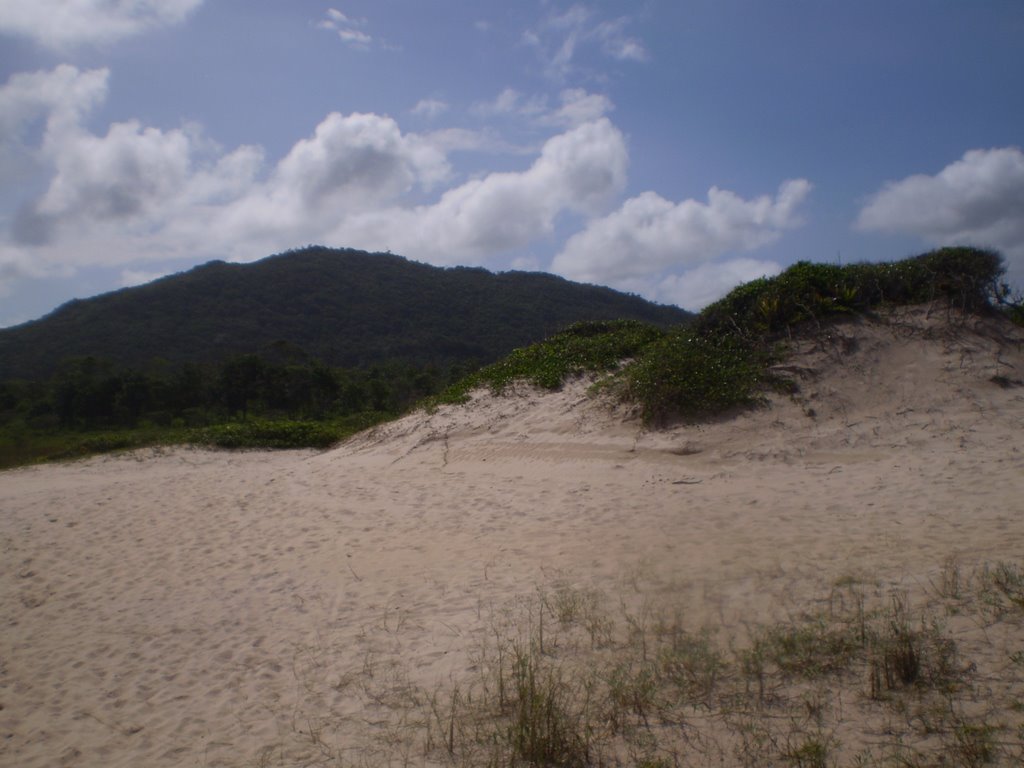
(691, 375)
(581, 348)
(966, 277)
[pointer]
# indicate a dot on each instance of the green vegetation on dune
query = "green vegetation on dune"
(20, 446)
(721, 361)
(580, 348)
(692, 375)
(968, 278)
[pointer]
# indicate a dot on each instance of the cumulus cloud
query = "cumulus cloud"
(579, 106)
(17, 264)
(357, 160)
(580, 170)
(137, 193)
(695, 288)
(59, 24)
(649, 235)
(60, 97)
(977, 200)
(118, 175)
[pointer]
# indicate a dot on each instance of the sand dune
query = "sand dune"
(186, 607)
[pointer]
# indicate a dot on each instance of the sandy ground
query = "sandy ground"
(194, 608)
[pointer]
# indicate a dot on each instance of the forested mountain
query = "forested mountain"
(343, 307)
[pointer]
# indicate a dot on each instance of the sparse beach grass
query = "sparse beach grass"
(868, 676)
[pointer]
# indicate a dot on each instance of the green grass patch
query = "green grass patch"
(581, 348)
(21, 446)
(689, 375)
(280, 435)
(968, 278)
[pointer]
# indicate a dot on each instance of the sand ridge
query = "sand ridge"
(188, 607)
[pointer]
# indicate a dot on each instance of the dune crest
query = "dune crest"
(188, 607)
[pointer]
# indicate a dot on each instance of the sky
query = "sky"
(668, 148)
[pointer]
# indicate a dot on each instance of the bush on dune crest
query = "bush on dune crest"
(690, 375)
(968, 278)
(580, 348)
(722, 360)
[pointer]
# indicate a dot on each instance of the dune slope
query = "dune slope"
(186, 607)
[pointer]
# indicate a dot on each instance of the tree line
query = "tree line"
(92, 393)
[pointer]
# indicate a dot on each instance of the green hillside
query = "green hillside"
(343, 307)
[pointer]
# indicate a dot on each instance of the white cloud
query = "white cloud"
(695, 288)
(347, 29)
(430, 108)
(617, 44)
(17, 264)
(977, 200)
(511, 102)
(130, 277)
(581, 170)
(561, 35)
(649, 234)
(110, 197)
(60, 96)
(136, 194)
(118, 175)
(579, 106)
(336, 17)
(465, 140)
(62, 24)
(355, 161)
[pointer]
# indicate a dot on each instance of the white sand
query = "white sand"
(199, 608)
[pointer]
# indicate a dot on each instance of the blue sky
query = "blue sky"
(671, 148)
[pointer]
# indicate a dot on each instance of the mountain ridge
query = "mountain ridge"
(342, 306)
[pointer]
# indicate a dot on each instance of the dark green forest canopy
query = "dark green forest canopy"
(343, 307)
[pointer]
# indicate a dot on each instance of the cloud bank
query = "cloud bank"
(137, 193)
(977, 200)
(668, 250)
(581, 170)
(61, 25)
